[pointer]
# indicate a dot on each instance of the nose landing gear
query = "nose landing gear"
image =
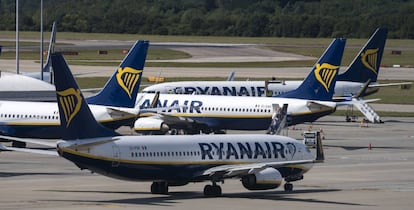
(159, 188)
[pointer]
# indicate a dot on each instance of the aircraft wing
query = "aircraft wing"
(227, 171)
(351, 102)
(315, 105)
(171, 119)
(48, 143)
(176, 122)
(34, 151)
(390, 84)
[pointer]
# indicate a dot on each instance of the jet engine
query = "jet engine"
(147, 125)
(265, 179)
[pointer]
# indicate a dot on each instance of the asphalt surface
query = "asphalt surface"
(352, 177)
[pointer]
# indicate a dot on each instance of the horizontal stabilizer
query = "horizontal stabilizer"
(391, 84)
(122, 111)
(33, 151)
(47, 143)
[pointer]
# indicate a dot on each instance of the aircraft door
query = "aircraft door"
(116, 155)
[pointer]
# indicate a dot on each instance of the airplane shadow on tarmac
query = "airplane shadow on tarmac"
(13, 174)
(179, 197)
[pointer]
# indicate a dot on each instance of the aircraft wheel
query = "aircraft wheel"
(159, 188)
(212, 191)
(288, 187)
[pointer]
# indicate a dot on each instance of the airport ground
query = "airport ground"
(354, 175)
(366, 168)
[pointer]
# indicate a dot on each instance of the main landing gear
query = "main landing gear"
(288, 187)
(159, 188)
(212, 190)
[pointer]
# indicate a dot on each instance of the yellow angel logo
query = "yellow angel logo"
(369, 59)
(70, 101)
(325, 74)
(127, 78)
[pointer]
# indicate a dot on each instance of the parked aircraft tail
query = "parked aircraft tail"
(122, 88)
(74, 112)
(52, 42)
(320, 82)
(367, 63)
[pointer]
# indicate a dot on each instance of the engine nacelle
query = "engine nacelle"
(147, 125)
(265, 179)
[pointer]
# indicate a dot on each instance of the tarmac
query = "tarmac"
(368, 166)
(386, 73)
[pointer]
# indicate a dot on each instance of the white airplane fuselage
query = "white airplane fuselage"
(41, 119)
(244, 88)
(236, 113)
(183, 159)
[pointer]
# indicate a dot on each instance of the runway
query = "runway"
(352, 177)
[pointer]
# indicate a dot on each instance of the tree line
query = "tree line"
(250, 18)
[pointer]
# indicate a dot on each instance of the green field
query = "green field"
(209, 39)
(304, 46)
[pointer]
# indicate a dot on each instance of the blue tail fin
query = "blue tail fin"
(320, 82)
(367, 63)
(77, 121)
(122, 88)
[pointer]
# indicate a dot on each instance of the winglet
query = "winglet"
(231, 76)
(48, 66)
(122, 88)
(367, 63)
(363, 89)
(77, 121)
(155, 100)
(320, 82)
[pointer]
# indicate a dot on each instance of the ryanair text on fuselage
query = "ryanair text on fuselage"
(187, 106)
(225, 90)
(246, 150)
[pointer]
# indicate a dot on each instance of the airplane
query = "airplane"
(365, 66)
(113, 106)
(260, 161)
(207, 113)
